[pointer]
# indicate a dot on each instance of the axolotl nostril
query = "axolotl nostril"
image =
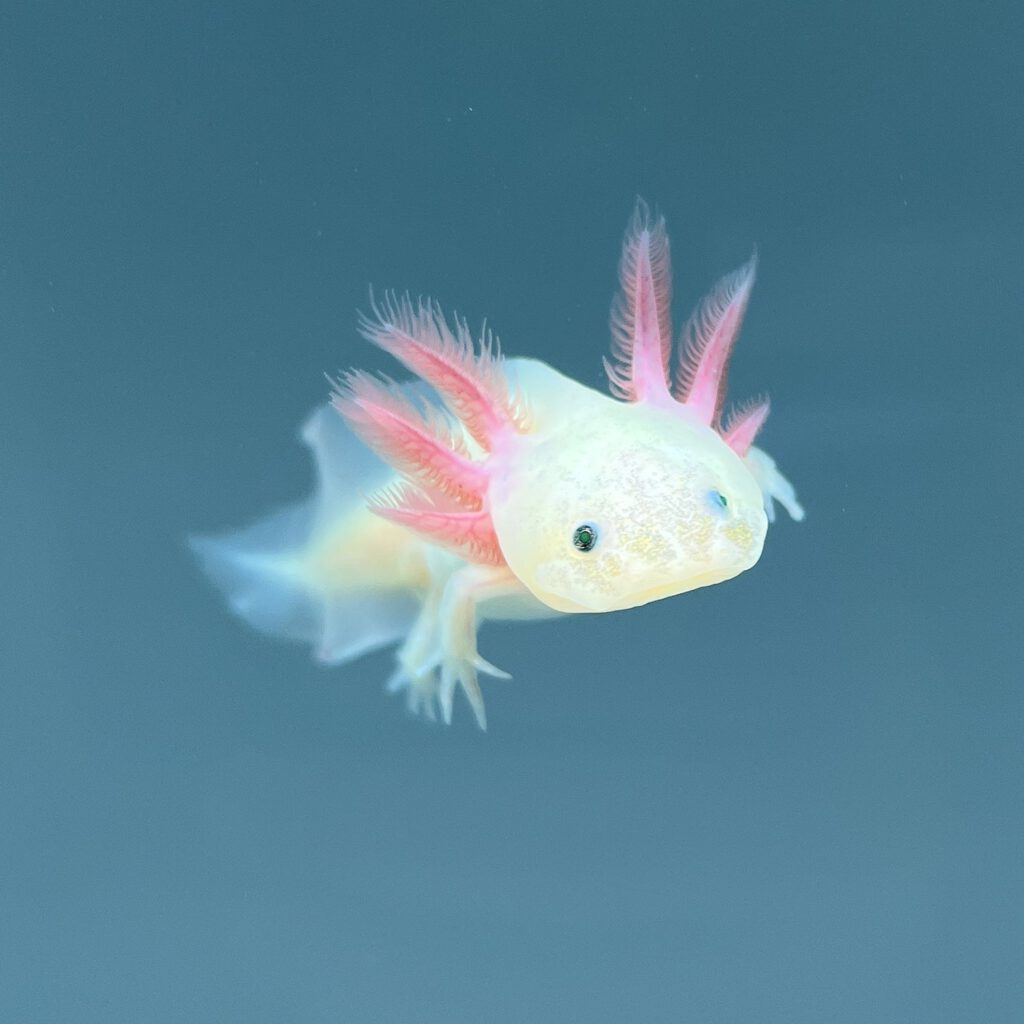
(503, 489)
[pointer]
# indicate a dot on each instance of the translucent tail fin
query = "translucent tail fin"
(269, 572)
(257, 570)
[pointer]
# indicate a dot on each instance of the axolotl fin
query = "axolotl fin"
(309, 572)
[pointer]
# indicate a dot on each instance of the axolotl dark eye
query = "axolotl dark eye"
(584, 537)
(718, 499)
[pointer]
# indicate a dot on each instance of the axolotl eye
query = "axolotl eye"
(718, 500)
(584, 537)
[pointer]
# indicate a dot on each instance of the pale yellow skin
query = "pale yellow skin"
(672, 505)
(646, 477)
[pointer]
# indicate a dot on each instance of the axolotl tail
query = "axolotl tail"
(325, 571)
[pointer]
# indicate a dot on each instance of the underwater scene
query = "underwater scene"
(511, 513)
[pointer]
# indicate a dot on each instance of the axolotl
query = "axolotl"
(497, 488)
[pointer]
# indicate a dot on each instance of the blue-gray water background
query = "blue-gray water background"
(796, 797)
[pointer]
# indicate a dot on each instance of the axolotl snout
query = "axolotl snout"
(503, 489)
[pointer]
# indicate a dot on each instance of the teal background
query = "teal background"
(796, 797)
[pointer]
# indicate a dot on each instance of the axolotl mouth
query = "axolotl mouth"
(602, 599)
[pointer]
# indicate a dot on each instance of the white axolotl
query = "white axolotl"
(506, 490)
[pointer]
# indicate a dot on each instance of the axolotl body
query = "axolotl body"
(499, 488)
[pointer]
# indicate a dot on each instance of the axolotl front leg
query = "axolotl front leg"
(441, 652)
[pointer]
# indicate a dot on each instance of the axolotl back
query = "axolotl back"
(503, 489)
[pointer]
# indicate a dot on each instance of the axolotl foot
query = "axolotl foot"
(420, 690)
(433, 684)
(462, 671)
(440, 654)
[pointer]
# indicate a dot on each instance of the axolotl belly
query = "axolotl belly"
(503, 489)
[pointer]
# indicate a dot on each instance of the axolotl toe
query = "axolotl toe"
(503, 489)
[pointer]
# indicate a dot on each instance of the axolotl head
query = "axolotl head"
(625, 506)
(594, 503)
